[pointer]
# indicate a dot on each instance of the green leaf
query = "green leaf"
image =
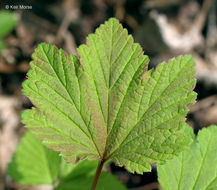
(33, 163)
(65, 169)
(8, 21)
(83, 167)
(106, 182)
(106, 103)
(2, 45)
(196, 167)
(82, 175)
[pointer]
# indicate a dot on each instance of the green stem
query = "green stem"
(98, 172)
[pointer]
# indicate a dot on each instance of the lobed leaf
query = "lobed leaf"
(106, 103)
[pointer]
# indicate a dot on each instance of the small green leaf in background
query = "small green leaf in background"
(81, 178)
(33, 163)
(107, 104)
(68, 170)
(106, 182)
(196, 167)
(8, 21)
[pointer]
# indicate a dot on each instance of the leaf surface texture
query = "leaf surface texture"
(106, 103)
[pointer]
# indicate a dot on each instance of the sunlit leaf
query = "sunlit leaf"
(105, 103)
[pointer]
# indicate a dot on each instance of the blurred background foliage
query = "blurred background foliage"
(164, 28)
